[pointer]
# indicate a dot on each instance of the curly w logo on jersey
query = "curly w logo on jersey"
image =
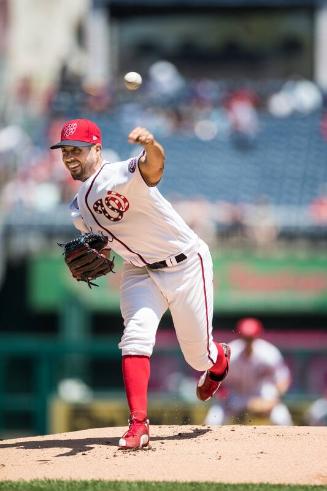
(112, 207)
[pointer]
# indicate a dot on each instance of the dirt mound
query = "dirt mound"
(235, 454)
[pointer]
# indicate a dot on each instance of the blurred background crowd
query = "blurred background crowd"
(237, 93)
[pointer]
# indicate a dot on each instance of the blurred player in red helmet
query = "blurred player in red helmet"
(258, 379)
(249, 328)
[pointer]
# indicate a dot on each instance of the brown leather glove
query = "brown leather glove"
(85, 257)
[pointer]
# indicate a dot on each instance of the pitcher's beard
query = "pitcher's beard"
(78, 175)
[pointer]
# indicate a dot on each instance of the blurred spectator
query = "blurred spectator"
(198, 213)
(231, 223)
(165, 81)
(318, 207)
(323, 125)
(261, 225)
(301, 96)
(257, 380)
(242, 114)
(306, 96)
(37, 181)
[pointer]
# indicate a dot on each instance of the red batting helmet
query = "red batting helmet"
(249, 327)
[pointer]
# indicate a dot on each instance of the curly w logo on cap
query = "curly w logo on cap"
(79, 133)
(69, 129)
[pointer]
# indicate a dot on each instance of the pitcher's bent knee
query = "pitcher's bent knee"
(136, 342)
(136, 347)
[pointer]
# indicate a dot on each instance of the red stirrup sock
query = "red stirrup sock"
(221, 363)
(136, 375)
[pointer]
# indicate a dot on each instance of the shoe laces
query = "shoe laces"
(134, 426)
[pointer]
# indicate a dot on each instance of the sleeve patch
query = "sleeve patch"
(132, 164)
(134, 161)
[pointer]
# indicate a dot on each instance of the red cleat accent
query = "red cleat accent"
(137, 435)
(209, 382)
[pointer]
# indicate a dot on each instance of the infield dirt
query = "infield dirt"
(234, 454)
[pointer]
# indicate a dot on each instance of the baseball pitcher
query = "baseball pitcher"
(166, 265)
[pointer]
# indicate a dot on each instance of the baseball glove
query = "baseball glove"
(85, 257)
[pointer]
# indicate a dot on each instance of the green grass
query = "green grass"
(57, 485)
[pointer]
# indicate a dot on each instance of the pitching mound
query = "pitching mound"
(235, 454)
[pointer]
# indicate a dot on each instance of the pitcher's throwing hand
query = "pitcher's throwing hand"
(141, 136)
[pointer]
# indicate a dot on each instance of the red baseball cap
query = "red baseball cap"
(79, 133)
(249, 327)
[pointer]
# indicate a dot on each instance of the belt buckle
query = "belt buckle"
(168, 263)
(173, 261)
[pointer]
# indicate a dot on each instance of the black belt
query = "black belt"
(167, 263)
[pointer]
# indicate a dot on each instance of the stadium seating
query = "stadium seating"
(286, 164)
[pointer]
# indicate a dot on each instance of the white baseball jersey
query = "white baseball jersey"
(141, 224)
(143, 228)
(258, 374)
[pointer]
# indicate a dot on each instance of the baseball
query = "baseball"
(133, 80)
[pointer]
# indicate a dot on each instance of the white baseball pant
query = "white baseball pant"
(187, 291)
